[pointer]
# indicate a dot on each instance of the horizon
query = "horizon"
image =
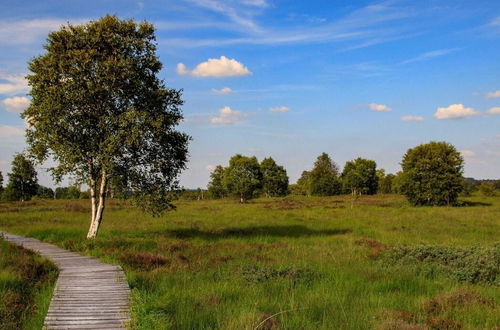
(269, 78)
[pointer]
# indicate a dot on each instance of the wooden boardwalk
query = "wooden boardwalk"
(89, 294)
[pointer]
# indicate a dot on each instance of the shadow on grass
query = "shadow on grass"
(470, 203)
(255, 231)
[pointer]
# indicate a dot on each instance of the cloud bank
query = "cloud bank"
(494, 111)
(279, 109)
(213, 67)
(455, 111)
(15, 104)
(222, 91)
(379, 107)
(412, 118)
(493, 95)
(228, 116)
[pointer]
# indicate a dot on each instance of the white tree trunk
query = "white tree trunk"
(97, 209)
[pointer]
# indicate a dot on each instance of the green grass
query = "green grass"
(314, 262)
(26, 286)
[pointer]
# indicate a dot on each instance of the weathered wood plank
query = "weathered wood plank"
(89, 294)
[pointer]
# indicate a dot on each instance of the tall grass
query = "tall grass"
(292, 263)
(26, 286)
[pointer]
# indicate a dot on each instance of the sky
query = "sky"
(293, 79)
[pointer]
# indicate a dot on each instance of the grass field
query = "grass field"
(26, 286)
(292, 263)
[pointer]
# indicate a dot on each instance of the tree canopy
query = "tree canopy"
(216, 185)
(243, 177)
(323, 179)
(100, 111)
(360, 176)
(23, 180)
(432, 174)
(275, 179)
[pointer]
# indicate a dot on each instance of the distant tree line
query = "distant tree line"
(23, 185)
(246, 178)
(431, 175)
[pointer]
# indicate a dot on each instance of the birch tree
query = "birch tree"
(100, 112)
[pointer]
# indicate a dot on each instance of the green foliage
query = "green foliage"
(44, 192)
(24, 277)
(71, 192)
(385, 182)
(216, 187)
(323, 179)
(471, 265)
(275, 179)
(1, 183)
(487, 189)
(432, 174)
(297, 189)
(23, 181)
(260, 274)
(360, 177)
(243, 177)
(397, 183)
(100, 111)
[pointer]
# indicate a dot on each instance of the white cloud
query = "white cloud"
(467, 153)
(222, 91)
(495, 21)
(14, 83)
(429, 55)
(210, 167)
(412, 118)
(279, 109)
(255, 3)
(222, 67)
(237, 16)
(228, 116)
(493, 95)
(28, 31)
(7, 131)
(455, 111)
(494, 111)
(16, 104)
(379, 107)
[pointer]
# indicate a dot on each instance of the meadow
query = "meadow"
(26, 285)
(291, 263)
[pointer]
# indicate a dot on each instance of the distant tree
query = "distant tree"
(296, 189)
(1, 183)
(397, 183)
(487, 188)
(360, 176)
(216, 187)
(432, 174)
(73, 192)
(323, 179)
(303, 186)
(100, 111)
(23, 181)
(44, 192)
(275, 179)
(243, 177)
(385, 182)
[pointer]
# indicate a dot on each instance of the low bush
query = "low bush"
(471, 265)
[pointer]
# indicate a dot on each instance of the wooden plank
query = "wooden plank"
(89, 294)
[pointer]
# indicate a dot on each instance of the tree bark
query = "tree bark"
(97, 207)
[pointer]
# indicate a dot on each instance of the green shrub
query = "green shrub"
(471, 265)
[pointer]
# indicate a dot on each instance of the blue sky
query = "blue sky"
(293, 79)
